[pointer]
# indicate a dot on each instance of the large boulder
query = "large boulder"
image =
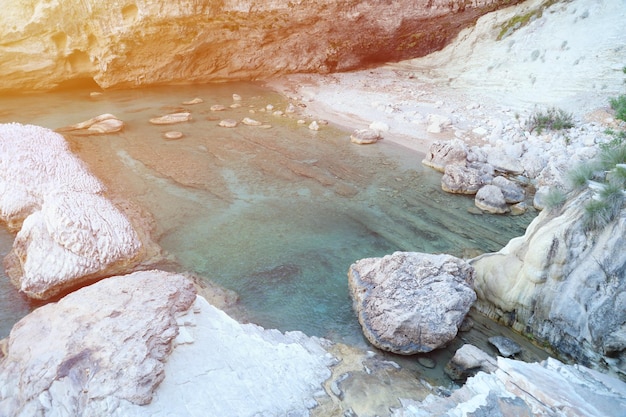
(69, 232)
(411, 302)
(459, 179)
(444, 153)
(563, 284)
(491, 199)
(46, 44)
(512, 192)
(143, 345)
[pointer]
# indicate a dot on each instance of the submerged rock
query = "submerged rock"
(172, 118)
(99, 125)
(506, 347)
(411, 302)
(229, 123)
(365, 136)
(444, 153)
(468, 361)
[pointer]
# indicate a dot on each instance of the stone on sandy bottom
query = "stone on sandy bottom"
(228, 123)
(490, 199)
(173, 135)
(172, 118)
(99, 125)
(365, 136)
(468, 361)
(33, 162)
(459, 179)
(196, 100)
(96, 348)
(251, 122)
(218, 107)
(506, 347)
(73, 238)
(443, 153)
(411, 302)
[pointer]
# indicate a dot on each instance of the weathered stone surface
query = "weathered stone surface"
(73, 238)
(505, 346)
(149, 42)
(520, 389)
(490, 199)
(365, 136)
(445, 153)
(411, 302)
(173, 135)
(504, 163)
(251, 122)
(99, 125)
(99, 346)
(468, 361)
(512, 192)
(228, 123)
(561, 284)
(34, 161)
(460, 179)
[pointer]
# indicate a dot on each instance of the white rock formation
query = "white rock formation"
(99, 125)
(145, 345)
(517, 388)
(562, 284)
(411, 302)
(150, 42)
(69, 232)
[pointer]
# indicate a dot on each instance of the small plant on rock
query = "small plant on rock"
(580, 175)
(597, 215)
(551, 119)
(619, 105)
(554, 199)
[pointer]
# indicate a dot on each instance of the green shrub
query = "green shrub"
(617, 177)
(581, 174)
(619, 105)
(613, 196)
(551, 119)
(554, 199)
(613, 155)
(597, 215)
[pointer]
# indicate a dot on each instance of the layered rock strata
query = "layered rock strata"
(411, 302)
(69, 233)
(47, 44)
(562, 284)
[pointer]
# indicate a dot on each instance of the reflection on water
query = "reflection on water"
(279, 214)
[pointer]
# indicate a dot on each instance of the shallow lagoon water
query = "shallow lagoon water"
(277, 215)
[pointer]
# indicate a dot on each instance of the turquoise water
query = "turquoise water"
(277, 215)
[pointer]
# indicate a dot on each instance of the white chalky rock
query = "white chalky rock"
(172, 118)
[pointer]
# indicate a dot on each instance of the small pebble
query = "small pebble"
(236, 97)
(196, 100)
(228, 123)
(314, 126)
(172, 135)
(217, 107)
(426, 362)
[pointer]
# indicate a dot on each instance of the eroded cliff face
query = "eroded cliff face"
(563, 285)
(46, 43)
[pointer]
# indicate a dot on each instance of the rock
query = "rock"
(251, 122)
(364, 136)
(437, 123)
(290, 109)
(99, 346)
(490, 199)
(506, 347)
(426, 362)
(540, 197)
(33, 162)
(75, 237)
(173, 118)
(519, 209)
(518, 388)
(99, 125)
(236, 97)
(512, 192)
(504, 163)
(411, 302)
(440, 154)
(314, 126)
(459, 179)
(173, 135)
(468, 361)
(196, 100)
(562, 284)
(218, 107)
(254, 43)
(229, 123)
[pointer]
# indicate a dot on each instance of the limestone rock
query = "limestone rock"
(512, 192)
(314, 126)
(561, 284)
(170, 119)
(364, 136)
(99, 346)
(445, 153)
(468, 361)
(34, 161)
(173, 135)
(517, 389)
(228, 123)
(460, 179)
(490, 199)
(196, 100)
(218, 107)
(75, 237)
(506, 347)
(411, 302)
(147, 42)
(251, 122)
(99, 125)
(502, 162)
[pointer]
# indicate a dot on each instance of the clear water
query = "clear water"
(277, 215)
